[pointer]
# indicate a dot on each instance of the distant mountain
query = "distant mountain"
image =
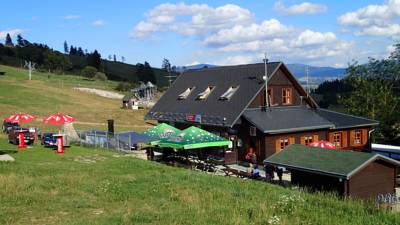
(299, 70)
(181, 69)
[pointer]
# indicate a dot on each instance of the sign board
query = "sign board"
(195, 118)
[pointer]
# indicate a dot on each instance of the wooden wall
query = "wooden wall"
(277, 82)
(317, 182)
(270, 140)
(378, 177)
(348, 138)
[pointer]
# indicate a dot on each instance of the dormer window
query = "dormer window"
(203, 95)
(186, 93)
(229, 93)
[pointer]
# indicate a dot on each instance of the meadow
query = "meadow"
(49, 93)
(91, 186)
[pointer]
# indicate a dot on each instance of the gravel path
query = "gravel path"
(102, 93)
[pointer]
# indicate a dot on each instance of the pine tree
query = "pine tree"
(166, 65)
(66, 50)
(115, 58)
(8, 41)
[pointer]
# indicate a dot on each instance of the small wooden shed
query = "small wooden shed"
(349, 173)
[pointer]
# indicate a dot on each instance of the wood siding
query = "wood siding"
(271, 140)
(276, 84)
(376, 178)
(348, 138)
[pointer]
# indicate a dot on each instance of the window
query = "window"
(357, 137)
(203, 95)
(229, 93)
(286, 96)
(186, 93)
(337, 139)
(284, 142)
(308, 140)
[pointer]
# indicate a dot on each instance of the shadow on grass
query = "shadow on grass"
(7, 151)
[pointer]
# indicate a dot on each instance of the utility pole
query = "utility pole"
(308, 85)
(266, 80)
(169, 76)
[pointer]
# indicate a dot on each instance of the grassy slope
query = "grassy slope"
(43, 96)
(88, 186)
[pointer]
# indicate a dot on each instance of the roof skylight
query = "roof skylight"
(229, 93)
(186, 93)
(203, 95)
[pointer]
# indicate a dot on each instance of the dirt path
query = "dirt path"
(102, 93)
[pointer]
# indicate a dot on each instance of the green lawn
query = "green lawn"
(42, 96)
(89, 186)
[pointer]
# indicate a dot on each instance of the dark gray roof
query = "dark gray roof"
(341, 120)
(286, 119)
(324, 161)
(212, 110)
(300, 118)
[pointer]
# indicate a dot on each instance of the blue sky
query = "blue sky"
(322, 33)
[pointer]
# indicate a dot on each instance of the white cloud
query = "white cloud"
(13, 33)
(268, 29)
(309, 37)
(303, 8)
(98, 23)
(236, 60)
(71, 17)
(374, 20)
(195, 19)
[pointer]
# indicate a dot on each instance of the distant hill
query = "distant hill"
(299, 70)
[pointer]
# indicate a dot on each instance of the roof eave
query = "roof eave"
(338, 175)
(296, 129)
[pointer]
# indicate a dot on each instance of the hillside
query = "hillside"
(89, 186)
(49, 93)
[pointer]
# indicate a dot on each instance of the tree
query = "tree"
(145, 73)
(8, 41)
(122, 58)
(80, 52)
(89, 72)
(66, 50)
(375, 95)
(21, 42)
(94, 59)
(166, 65)
(115, 58)
(109, 57)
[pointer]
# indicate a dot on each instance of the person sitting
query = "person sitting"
(255, 172)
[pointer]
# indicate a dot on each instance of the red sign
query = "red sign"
(191, 118)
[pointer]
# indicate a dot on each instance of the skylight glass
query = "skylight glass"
(229, 93)
(185, 94)
(203, 95)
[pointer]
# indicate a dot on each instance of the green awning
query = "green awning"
(192, 138)
(161, 132)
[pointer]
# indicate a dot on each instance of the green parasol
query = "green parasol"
(160, 132)
(192, 138)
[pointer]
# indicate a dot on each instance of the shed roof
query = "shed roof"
(336, 163)
(286, 119)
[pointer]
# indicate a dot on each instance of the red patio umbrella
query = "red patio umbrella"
(323, 144)
(20, 118)
(59, 119)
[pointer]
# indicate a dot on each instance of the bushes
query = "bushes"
(89, 72)
(100, 76)
(124, 86)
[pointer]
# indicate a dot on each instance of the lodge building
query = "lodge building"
(231, 101)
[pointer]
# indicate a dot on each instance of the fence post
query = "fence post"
(117, 139)
(107, 140)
